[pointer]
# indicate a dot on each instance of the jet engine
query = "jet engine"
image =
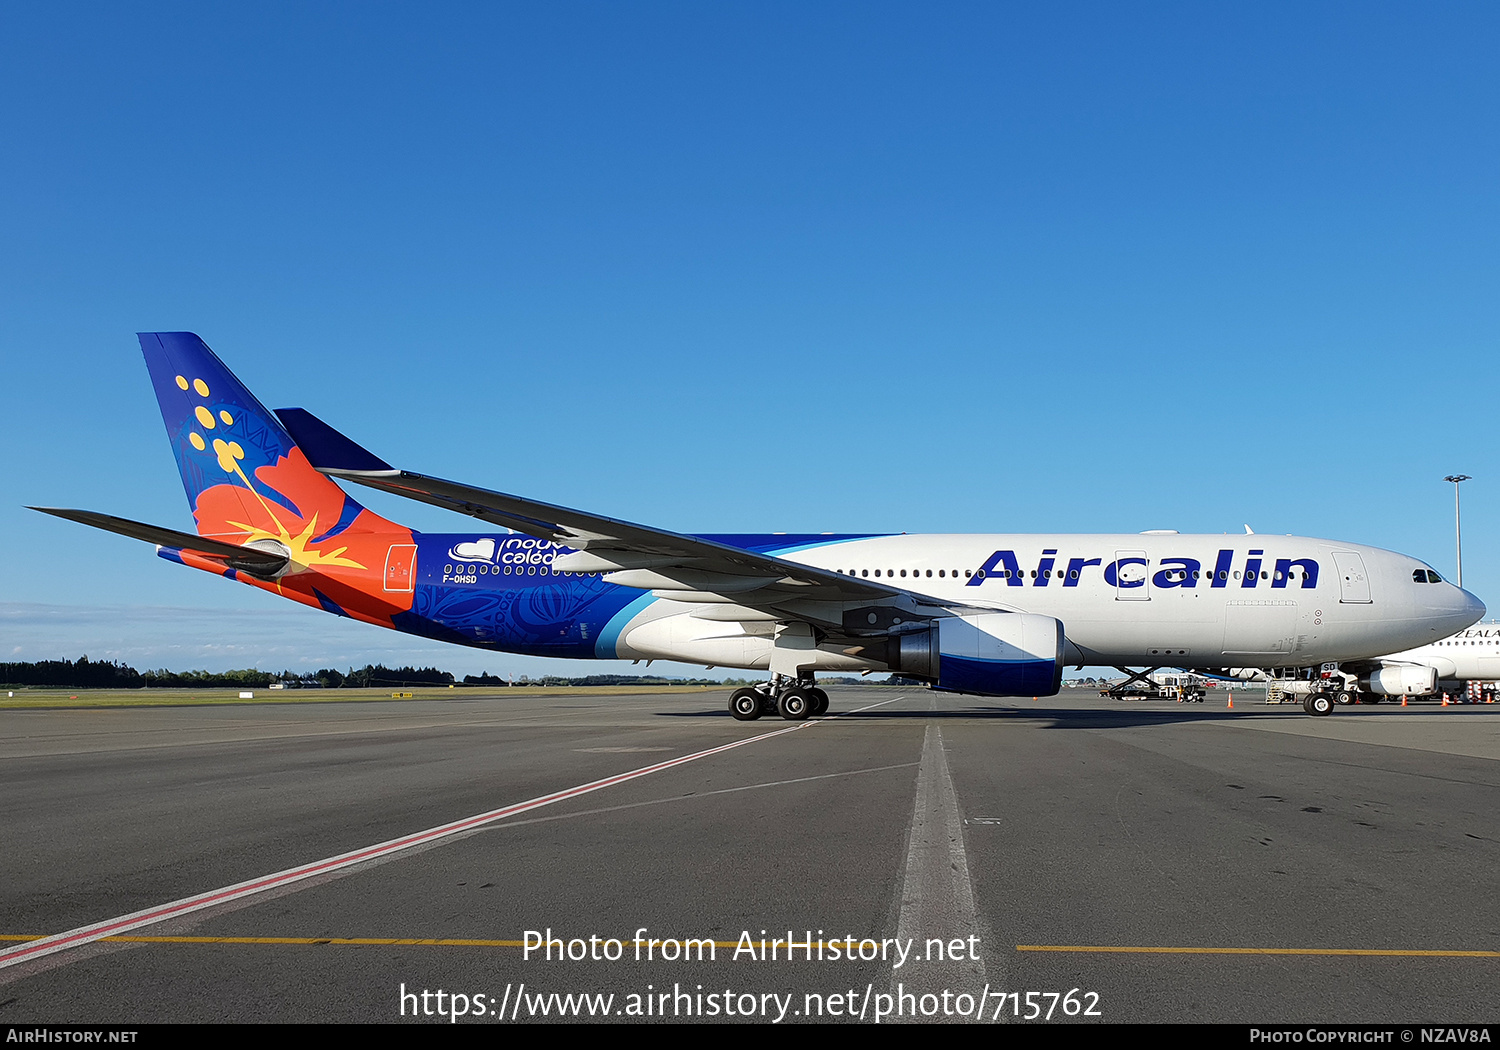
(1401, 680)
(988, 654)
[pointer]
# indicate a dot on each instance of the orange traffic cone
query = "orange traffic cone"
(1231, 701)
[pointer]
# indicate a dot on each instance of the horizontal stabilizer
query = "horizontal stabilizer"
(249, 559)
(325, 448)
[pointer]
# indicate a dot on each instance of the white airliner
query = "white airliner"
(981, 614)
(1471, 655)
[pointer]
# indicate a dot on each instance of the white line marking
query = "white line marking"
(937, 899)
(698, 795)
(147, 916)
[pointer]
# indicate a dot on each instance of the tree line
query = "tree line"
(108, 674)
(84, 673)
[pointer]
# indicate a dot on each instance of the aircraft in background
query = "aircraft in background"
(991, 615)
(1446, 666)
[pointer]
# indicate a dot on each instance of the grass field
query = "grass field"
(37, 698)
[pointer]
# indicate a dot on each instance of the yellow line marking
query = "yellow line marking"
(1404, 953)
(627, 942)
(400, 941)
(286, 940)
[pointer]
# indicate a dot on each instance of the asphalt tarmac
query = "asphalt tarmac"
(933, 858)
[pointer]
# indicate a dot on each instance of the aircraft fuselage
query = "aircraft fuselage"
(1179, 600)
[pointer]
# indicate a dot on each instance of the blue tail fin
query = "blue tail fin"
(222, 435)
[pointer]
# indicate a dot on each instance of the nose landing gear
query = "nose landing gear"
(1318, 704)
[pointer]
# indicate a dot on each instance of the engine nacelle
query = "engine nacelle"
(989, 654)
(1401, 680)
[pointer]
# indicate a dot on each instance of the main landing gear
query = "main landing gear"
(792, 699)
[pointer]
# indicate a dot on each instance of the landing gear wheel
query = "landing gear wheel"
(745, 705)
(820, 702)
(794, 705)
(1345, 697)
(1318, 704)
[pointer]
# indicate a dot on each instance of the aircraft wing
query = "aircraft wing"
(673, 565)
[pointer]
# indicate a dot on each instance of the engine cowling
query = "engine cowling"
(988, 654)
(1401, 680)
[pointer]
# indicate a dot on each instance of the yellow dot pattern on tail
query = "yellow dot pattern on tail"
(230, 454)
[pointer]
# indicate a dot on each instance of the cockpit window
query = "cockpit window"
(1433, 577)
(1419, 575)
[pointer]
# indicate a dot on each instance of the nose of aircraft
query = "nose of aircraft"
(1466, 609)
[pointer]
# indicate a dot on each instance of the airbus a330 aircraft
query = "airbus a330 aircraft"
(987, 615)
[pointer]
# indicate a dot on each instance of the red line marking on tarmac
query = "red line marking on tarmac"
(135, 920)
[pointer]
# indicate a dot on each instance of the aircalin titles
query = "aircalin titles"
(1004, 566)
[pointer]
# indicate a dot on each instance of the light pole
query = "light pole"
(1458, 535)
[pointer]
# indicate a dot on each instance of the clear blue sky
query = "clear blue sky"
(750, 267)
